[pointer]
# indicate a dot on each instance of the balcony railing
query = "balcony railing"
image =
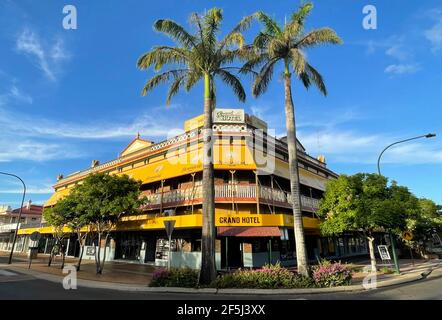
(226, 193)
(8, 227)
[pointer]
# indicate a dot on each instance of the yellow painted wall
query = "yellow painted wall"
(145, 222)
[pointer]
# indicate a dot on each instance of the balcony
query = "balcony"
(228, 193)
(8, 227)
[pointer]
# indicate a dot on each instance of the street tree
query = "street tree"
(57, 217)
(287, 44)
(78, 222)
(199, 56)
(423, 224)
(365, 203)
(103, 199)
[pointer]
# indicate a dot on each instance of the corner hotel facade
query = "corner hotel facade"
(254, 222)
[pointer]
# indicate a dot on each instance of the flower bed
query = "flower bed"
(186, 278)
(269, 277)
(328, 274)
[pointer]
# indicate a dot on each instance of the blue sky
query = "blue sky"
(70, 96)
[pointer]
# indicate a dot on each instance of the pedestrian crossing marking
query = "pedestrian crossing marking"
(7, 273)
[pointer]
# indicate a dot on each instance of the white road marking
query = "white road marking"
(7, 273)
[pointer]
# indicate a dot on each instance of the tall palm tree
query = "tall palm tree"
(200, 56)
(286, 44)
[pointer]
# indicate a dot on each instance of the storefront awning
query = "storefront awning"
(248, 232)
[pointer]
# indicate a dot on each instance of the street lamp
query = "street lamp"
(19, 213)
(429, 135)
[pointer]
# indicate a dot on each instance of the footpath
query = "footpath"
(136, 277)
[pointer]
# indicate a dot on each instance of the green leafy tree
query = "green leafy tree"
(423, 223)
(287, 45)
(199, 56)
(58, 216)
(103, 200)
(365, 203)
(77, 221)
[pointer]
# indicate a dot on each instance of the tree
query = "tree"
(365, 203)
(423, 223)
(286, 44)
(103, 199)
(199, 56)
(57, 217)
(78, 222)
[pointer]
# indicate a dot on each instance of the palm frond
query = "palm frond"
(211, 24)
(296, 24)
(317, 37)
(175, 31)
(162, 55)
(175, 87)
(311, 75)
(264, 77)
(271, 26)
(192, 78)
(298, 61)
(233, 82)
(261, 40)
(238, 29)
(162, 78)
(317, 79)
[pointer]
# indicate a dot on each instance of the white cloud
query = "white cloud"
(402, 68)
(31, 150)
(146, 124)
(16, 95)
(357, 147)
(48, 58)
(398, 51)
(434, 34)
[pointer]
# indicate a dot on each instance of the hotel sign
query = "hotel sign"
(228, 116)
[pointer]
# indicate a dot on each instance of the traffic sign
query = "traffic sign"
(35, 236)
(383, 252)
(407, 235)
(169, 225)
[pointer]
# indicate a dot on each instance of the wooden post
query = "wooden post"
(193, 188)
(233, 195)
(273, 199)
(257, 191)
(161, 197)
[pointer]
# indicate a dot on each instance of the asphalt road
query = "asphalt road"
(14, 285)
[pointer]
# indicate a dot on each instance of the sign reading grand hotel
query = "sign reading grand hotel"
(228, 116)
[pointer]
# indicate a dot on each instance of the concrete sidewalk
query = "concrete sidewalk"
(136, 277)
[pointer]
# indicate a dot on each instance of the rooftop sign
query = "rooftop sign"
(228, 116)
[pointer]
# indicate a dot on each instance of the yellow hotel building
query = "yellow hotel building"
(254, 220)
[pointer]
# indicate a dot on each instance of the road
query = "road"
(14, 285)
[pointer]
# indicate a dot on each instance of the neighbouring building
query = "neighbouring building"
(31, 216)
(254, 221)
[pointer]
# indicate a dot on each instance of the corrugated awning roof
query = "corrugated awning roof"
(248, 232)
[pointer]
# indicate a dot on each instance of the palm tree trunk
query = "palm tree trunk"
(301, 252)
(208, 268)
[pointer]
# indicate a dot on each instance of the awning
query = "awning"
(248, 232)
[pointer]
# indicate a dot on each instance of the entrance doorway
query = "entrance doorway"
(231, 253)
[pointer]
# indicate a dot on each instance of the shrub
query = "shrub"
(387, 270)
(176, 277)
(328, 274)
(268, 277)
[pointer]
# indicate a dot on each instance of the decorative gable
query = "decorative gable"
(135, 145)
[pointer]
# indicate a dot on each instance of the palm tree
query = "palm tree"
(286, 44)
(200, 56)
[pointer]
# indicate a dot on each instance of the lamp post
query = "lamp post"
(19, 213)
(429, 135)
